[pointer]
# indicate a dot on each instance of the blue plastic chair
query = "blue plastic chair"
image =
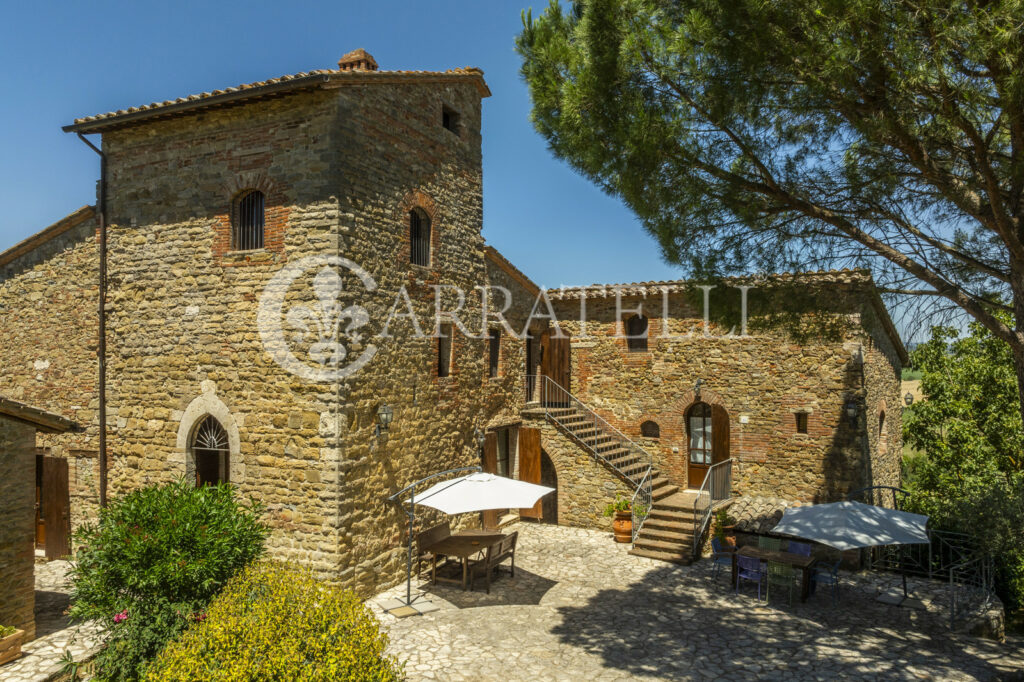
(828, 575)
(721, 557)
(749, 569)
(801, 548)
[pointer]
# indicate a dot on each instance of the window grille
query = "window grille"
(801, 422)
(249, 221)
(211, 452)
(419, 237)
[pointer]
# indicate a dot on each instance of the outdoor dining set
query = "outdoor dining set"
(775, 563)
(478, 552)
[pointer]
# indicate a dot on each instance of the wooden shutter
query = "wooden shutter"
(56, 502)
(529, 467)
(719, 434)
(490, 464)
(554, 358)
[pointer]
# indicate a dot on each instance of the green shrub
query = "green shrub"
(154, 560)
(7, 630)
(273, 622)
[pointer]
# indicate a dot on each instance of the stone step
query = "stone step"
(656, 534)
(657, 512)
(676, 525)
(671, 557)
(662, 546)
(662, 492)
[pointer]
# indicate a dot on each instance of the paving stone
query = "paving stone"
(581, 608)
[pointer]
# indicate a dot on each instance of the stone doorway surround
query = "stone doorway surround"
(207, 403)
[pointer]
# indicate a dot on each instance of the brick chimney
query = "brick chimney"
(358, 60)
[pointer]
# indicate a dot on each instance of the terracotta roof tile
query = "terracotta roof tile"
(341, 76)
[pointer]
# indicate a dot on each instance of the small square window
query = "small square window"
(801, 422)
(450, 119)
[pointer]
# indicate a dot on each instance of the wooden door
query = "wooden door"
(554, 364)
(490, 465)
(40, 522)
(56, 507)
(529, 467)
(720, 429)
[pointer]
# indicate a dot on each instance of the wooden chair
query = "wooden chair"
(426, 538)
(493, 557)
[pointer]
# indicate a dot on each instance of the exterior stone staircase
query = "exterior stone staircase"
(667, 534)
(624, 457)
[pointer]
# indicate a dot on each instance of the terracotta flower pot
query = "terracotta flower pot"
(10, 646)
(622, 526)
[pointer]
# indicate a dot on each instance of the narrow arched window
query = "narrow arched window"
(419, 237)
(650, 429)
(636, 333)
(248, 221)
(211, 453)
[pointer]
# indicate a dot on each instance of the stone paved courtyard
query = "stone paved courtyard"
(41, 657)
(581, 608)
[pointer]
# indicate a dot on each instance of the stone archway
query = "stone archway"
(549, 477)
(207, 404)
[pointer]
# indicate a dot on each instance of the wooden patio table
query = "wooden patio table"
(804, 563)
(462, 545)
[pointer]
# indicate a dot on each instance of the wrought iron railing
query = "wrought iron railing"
(717, 486)
(949, 556)
(641, 503)
(631, 461)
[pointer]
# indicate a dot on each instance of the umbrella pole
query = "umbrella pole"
(408, 565)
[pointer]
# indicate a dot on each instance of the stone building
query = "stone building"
(19, 509)
(278, 254)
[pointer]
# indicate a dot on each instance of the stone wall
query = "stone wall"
(17, 532)
(340, 171)
(762, 380)
(48, 340)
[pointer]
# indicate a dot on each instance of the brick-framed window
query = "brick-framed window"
(419, 237)
(248, 221)
(493, 352)
(636, 334)
(650, 429)
(444, 351)
(801, 422)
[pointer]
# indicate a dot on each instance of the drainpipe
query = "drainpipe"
(102, 351)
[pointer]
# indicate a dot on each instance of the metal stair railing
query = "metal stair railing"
(717, 486)
(554, 398)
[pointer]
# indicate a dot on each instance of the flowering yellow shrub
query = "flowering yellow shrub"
(273, 622)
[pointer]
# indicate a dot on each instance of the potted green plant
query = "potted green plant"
(724, 525)
(622, 525)
(10, 643)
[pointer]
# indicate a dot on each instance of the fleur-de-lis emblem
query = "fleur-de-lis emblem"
(323, 321)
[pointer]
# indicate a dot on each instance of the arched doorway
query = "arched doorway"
(548, 477)
(707, 436)
(211, 452)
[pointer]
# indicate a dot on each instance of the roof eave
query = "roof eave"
(42, 420)
(101, 125)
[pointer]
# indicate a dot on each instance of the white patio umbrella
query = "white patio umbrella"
(479, 492)
(854, 525)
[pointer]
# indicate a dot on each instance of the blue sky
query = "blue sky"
(62, 60)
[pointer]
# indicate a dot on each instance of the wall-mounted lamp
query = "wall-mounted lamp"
(696, 388)
(852, 408)
(909, 398)
(478, 436)
(384, 416)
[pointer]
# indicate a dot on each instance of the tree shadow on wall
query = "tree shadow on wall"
(680, 624)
